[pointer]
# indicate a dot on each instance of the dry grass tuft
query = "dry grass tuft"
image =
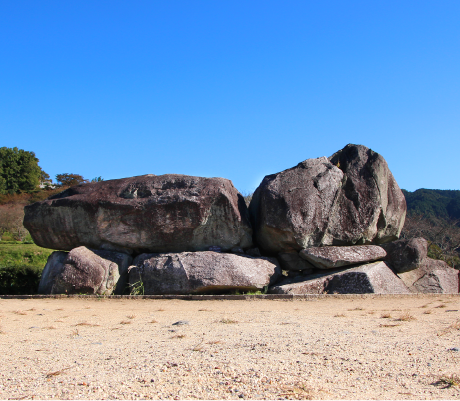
(386, 316)
(425, 306)
(441, 306)
(339, 315)
(179, 336)
(214, 342)
(49, 328)
(57, 373)
(153, 321)
(131, 316)
(357, 308)
(125, 322)
(449, 381)
(74, 333)
(204, 310)
(428, 312)
(405, 317)
(20, 312)
(453, 326)
(160, 310)
(86, 324)
(228, 321)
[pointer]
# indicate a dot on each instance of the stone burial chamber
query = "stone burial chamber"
(327, 225)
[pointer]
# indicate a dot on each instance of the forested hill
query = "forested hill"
(434, 202)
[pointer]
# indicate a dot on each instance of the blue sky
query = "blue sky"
(234, 89)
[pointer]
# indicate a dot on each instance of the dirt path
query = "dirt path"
(330, 348)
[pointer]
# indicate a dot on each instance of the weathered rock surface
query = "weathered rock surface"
(53, 267)
(405, 255)
(195, 272)
(350, 198)
(167, 213)
(434, 276)
(375, 278)
(85, 271)
(293, 261)
(332, 257)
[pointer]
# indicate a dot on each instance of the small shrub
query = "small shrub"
(19, 280)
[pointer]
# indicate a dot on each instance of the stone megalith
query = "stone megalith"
(406, 254)
(197, 272)
(433, 276)
(351, 198)
(167, 213)
(332, 257)
(85, 271)
(372, 278)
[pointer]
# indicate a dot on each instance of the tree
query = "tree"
(19, 171)
(443, 236)
(97, 179)
(69, 180)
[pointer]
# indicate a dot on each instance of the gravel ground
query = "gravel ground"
(401, 347)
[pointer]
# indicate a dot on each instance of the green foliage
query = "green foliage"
(97, 179)
(16, 280)
(15, 255)
(136, 288)
(19, 171)
(21, 267)
(70, 180)
(434, 203)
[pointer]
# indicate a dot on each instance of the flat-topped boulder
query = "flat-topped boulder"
(198, 272)
(167, 213)
(376, 278)
(433, 276)
(351, 198)
(333, 257)
(85, 271)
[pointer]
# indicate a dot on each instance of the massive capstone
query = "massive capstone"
(351, 198)
(167, 213)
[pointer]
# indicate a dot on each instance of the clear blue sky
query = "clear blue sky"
(235, 89)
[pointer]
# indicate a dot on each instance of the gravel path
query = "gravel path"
(328, 348)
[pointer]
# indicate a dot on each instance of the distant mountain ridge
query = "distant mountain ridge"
(439, 203)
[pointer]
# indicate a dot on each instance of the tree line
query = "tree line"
(20, 172)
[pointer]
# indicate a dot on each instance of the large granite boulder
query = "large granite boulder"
(167, 213)
(433, 276)
(197, 272)
(350, 198)
(333, 257)
(375, 278)
(406, 254)
(85, 271)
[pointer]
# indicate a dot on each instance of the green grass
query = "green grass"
(21, 266)
(23, 255)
